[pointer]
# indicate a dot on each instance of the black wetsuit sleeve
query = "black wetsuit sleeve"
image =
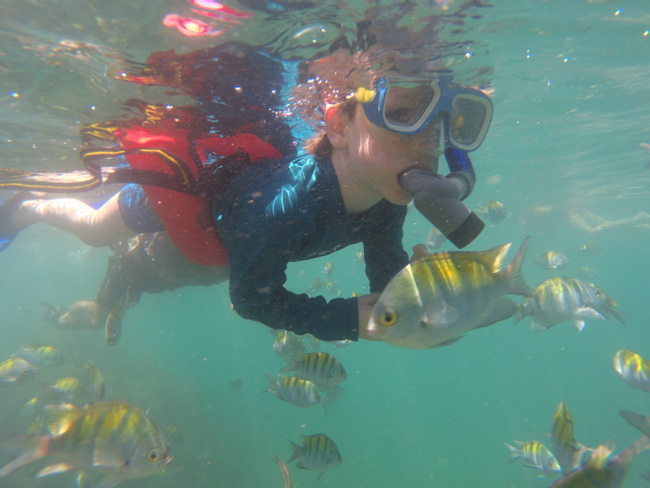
(258, 253)
(384, 252)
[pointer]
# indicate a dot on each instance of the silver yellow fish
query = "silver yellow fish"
(603, 470)
(637, 421)
(551, 260)
(110, 437)
(113, 325)
(301, 393)
(97, 378)
(534, 455)
(433, 301)
(320, 368)
(563, 299)
(317, 453)
(435, 239)
(16, 370)
(569, 453)
(633, 368)
(589, 249)
(66, 389)
(289, 345)
(40, 356)
(494, 211)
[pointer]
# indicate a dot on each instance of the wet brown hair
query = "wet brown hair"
(331, 80)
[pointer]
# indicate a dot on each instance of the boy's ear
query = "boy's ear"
(336, 124)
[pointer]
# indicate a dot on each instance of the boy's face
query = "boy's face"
(379, 156)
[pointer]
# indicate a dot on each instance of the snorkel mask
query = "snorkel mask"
(408, 106)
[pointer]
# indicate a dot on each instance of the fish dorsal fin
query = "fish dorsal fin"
(107, 456)
(494, 258)
(59, 418)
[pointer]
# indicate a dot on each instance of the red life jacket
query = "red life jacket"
(187, 217)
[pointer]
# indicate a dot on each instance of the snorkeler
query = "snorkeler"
(379, 147)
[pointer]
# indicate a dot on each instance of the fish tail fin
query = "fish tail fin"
(618, 315)
(516, 282)
(26, 448)
(514, 452)
(273, 383)
(520, 313)
(292, 365)
(297, 452)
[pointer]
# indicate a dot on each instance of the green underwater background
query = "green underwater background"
(571, 100)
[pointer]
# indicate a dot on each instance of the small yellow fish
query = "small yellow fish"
(97, 378)
(331, 286)
(317, 453)
(564, 299)
(634, 370)
(552, 260)
(534, 455)
(433, 301)
(113, 326)
(603, 470)
(110, 437)
(494, 211)
(315, 286)
(320, 368)
(67, 388)
(16, 370)
(569, 453)
(328, 269)
(301, 393)
(41, 356)
(288, 344)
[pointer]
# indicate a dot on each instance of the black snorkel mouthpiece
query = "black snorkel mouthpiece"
(438, 198)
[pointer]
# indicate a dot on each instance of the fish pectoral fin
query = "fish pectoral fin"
(537, 327)
(107, 456)
(27, 449)
(441, 314)
(589, 313)
(580, 324)
(448, 342)
(53, 469)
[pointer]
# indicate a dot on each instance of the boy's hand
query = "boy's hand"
(366, 303)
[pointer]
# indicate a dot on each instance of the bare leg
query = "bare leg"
(94, 227)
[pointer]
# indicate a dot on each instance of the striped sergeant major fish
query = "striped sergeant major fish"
(569, 453)
(603, 470)
(563, 299)
(433, 301)
(321, 368)
(298, 392)
(634, 370)
(110, 437)
(534, 455)
(16, 370)
(317, 453)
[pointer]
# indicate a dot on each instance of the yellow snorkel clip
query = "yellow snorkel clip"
(363, 95)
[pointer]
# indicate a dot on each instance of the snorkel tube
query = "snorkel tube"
(439, 198)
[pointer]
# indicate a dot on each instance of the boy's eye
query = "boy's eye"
(399, 115)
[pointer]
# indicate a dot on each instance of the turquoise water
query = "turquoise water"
(570, 84)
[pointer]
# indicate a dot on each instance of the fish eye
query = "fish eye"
(152, 455)
(388, 318)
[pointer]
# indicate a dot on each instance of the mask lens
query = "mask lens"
(467, 120)
(407, 104)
